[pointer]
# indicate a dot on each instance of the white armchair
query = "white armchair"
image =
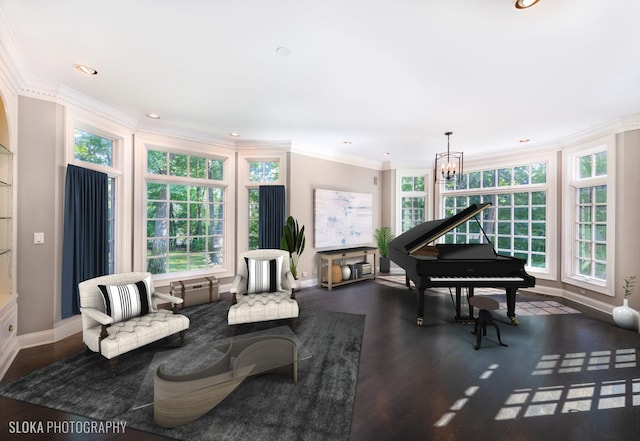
(263, 289)
(119, 313)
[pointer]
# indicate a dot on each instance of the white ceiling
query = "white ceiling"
(387, 75)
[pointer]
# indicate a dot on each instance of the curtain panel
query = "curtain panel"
(272, 212)
(85, 248)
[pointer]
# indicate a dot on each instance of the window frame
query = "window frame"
(149, 142)
(501, 161)
(426, 194)
(120, 171)
(246, 155)
(570, 184)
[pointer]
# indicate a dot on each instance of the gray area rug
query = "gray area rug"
(264, 407)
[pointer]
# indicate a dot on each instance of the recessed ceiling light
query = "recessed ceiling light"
(234, 134)
(284, 51)
(153, 115)
(87, 70)
(524, 4)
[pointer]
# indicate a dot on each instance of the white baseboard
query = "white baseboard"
(8, 355)
(578, 298)
(307, 283)
(591, 303)
(67, 327)
(62, 329)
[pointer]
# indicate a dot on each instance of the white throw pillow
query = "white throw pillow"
(123, 302)
(264, 275)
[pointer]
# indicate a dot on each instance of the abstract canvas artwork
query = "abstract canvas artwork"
(342, 219)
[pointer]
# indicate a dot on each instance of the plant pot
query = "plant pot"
(385, 265)
(625, 316)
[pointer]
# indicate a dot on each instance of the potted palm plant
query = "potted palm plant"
(293, 240)
(383, 236)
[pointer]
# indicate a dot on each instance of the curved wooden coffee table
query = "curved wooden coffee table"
(180, 399)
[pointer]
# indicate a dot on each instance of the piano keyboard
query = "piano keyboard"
(478, 279)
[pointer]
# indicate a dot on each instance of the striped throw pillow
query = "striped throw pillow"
(264, 275)
(123, 302)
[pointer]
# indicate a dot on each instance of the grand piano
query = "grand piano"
(457, 266)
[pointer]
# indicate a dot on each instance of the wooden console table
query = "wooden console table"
(327, 258)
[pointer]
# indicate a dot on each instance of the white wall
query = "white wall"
(309, 173)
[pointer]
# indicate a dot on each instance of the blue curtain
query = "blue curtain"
(272, 215)
(85, 248)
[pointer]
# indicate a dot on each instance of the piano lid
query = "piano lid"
(416, 238)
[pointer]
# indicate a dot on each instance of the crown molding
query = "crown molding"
(342, 158)
(183, 138)
(391, 164)
(12, 63)
(598, 131)
(67, 95)
(248, 145)
(631, 122)
(8, 74)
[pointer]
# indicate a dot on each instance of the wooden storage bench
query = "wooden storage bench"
(196, 291)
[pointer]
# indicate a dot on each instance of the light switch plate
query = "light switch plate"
(38, 238)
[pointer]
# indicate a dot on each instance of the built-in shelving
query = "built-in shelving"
(8, 304)
(6, 177)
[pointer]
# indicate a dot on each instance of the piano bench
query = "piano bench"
(485, 305)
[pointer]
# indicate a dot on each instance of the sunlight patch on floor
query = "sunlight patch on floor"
(544, 401)
(582, 361)
(563, 399)
(460, 403)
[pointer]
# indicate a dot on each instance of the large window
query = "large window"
(589, 207)
(185, 207)
(516, 223)
(413, 196)
(97, 152)
(412, 206)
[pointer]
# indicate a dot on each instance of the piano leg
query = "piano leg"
(420, 311)
(511, 305)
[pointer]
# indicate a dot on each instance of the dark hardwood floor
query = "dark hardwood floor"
(565, 376)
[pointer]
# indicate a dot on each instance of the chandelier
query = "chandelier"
(448, 165)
